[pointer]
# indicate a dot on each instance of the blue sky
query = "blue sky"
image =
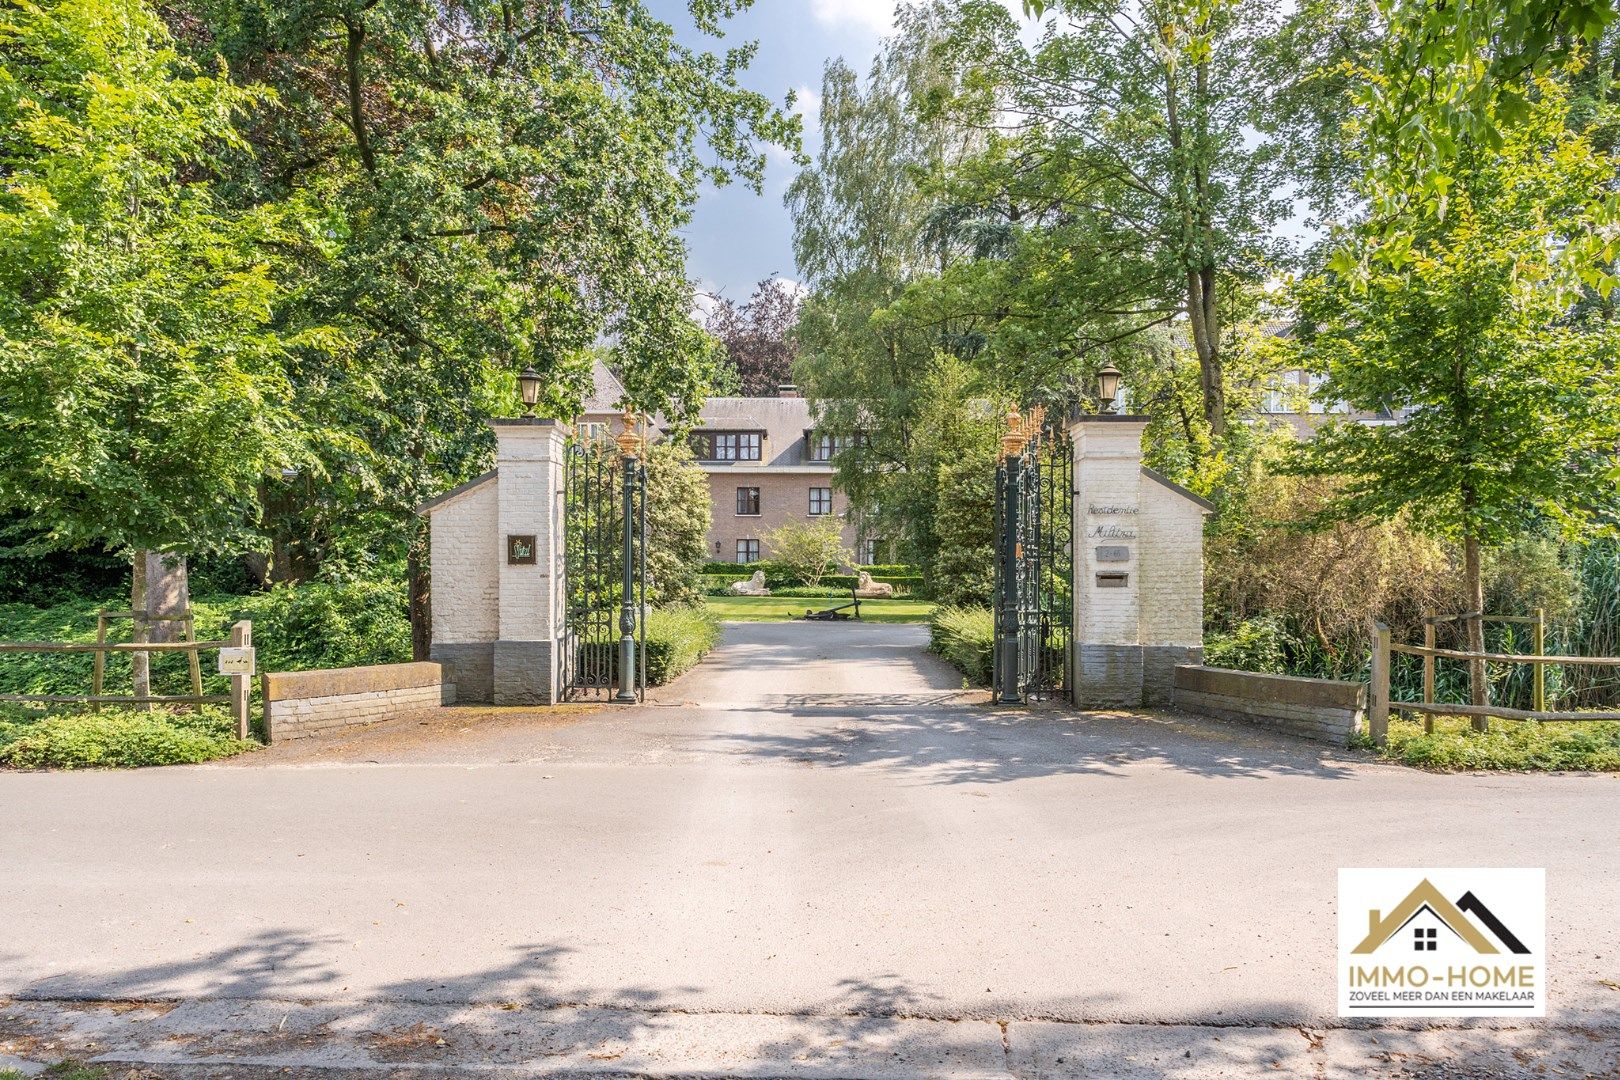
(736, 237)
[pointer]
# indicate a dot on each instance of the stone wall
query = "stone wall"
(298, 704)
(1323, 710)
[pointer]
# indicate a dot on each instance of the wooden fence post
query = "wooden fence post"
(241, 685)
(1378, 692)
(1539, 693)
(1428, 676)
(98, 676)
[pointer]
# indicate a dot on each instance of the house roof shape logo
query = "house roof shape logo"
(1426, 896)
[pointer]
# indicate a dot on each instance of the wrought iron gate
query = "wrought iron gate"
(1034, 585)
(605, 565)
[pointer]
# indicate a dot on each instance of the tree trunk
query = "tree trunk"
(420, 589)
(168, 592)
(1474, 626)
(158, 586)
(140, 664)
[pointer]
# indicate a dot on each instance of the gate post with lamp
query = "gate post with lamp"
(1138, 559)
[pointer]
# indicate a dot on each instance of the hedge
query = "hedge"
(965, 636)
(677, 638)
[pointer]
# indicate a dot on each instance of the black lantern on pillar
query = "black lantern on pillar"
(1107, 388)
(529, 386)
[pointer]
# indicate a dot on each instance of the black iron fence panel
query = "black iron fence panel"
(1034, 580)
(605, 571)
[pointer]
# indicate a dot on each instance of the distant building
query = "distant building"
(766, 464)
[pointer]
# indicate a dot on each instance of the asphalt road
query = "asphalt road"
(830, 829)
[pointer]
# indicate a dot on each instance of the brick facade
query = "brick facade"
(783, 497)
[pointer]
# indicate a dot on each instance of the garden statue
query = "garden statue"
(754, 586)
(867, 589)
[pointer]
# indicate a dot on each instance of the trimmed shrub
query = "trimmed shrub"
(965, 636)
(115, 738)
(677, 638)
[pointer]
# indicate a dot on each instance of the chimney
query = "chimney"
(787, 389)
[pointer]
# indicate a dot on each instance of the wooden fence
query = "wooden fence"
(1378, 698)
(241, 685)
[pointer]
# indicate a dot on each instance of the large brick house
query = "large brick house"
(766, 464)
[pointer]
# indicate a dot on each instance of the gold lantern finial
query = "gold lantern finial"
(1013, 441)
(629, 442)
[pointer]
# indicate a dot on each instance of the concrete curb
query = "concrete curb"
(363, 1040)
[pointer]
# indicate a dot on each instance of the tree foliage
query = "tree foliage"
(809, 550)
(1509, 410)
(757, 336)
(143, 386)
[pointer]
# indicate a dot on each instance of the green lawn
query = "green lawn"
(1509, 745)
(783, 608)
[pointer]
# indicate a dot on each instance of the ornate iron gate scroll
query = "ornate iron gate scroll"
(597, 494)
(1034, 583)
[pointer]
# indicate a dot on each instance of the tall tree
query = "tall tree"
(865, 226)
(757, 336)
(143, 388)
(501, 183)
(1127, 146)
(1510, 410)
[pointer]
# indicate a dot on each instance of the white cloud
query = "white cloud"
(877, 16)
(872, 16)
(807, 103)
(705, 299)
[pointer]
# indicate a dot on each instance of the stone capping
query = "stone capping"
(340, 682)
(1278, 689)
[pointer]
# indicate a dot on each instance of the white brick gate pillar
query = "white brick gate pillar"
(498, 596)
(1138, 569)
(529, 478)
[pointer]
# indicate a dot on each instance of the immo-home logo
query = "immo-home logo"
(1442, 942)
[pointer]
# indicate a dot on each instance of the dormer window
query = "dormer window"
(726, 445)
(826, 447)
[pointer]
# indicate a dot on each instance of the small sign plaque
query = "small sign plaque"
(1112, 579)
(520, 550)
(236, 661)
(1113, 553)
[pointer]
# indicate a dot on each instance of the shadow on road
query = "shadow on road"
(967, 744)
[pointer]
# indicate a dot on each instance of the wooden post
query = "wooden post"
(241, 685)
(1378, 692)
(1539, 671)
(188, 627)
(1428, 676)
(98, 677)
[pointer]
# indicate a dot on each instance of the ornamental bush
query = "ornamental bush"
(966, 637)
(115, 738)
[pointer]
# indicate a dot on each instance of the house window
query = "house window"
(826, 447)
(820, 501)
(868, 552)
(748, 551)
(1423, 939)
(726, 445)
(592, 432)
(748, 502)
